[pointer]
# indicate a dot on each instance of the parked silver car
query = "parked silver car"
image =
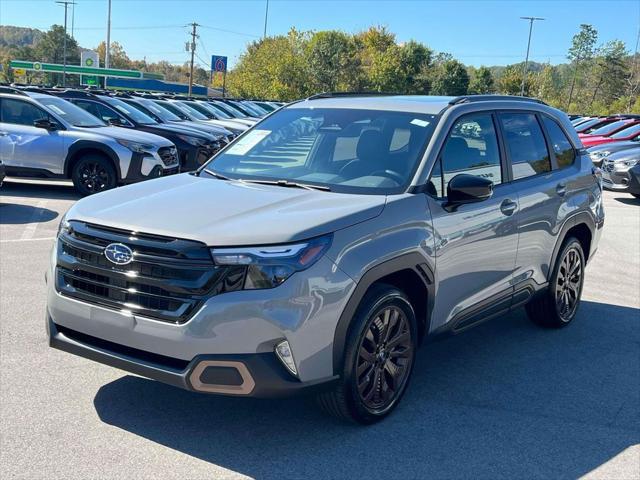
(316, 251)
(45, 136)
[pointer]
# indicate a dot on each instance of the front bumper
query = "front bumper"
(258, 375)
(615, 180)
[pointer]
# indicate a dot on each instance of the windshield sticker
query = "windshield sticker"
(246, 143)
(418, 122)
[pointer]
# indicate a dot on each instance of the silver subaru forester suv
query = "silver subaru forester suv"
(317, 251)
(48, 137)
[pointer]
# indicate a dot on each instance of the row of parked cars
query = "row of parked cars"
(613, 142)
(101, 139)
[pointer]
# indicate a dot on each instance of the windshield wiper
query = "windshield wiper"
(215, 174)
(289, 184)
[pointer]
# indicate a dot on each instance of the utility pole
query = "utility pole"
(266, 15)
(107, 46)
(66, 4)
(73, 19)
(194, 26)
(526, 60)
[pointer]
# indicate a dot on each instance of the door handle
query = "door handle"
(561, 189)
(508, 206)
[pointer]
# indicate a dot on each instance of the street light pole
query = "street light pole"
(64, 42)
(526, 60)
(108, 45)
(266, 15)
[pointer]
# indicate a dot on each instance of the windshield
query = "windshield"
(241, 108)
(588, 124)
(158, 110)
(255, 109)
(70, 112)
(201, 109)
(192, 112)
(627, 132)
(229, 109)
(128, 111)
(215, 110)
(610, 127)
(346, 150)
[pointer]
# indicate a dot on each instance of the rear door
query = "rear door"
(542, 164)
(476, 242)
(26, 146)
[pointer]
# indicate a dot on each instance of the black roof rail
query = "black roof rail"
(350, 94)
(12, 90)
(488, 98)
(71, 93)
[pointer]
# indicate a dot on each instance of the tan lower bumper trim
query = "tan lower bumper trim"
(245, 388)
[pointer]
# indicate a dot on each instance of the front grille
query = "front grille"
(168, 279)
(168, 155)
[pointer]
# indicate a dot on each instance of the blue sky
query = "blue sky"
(476, 32)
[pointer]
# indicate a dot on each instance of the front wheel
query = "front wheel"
(558, 306)
(93, 174)
(379, 358)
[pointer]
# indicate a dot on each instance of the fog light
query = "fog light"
(283, 351)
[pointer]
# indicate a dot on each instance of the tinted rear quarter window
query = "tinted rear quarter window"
(561, 145)
(526, 144)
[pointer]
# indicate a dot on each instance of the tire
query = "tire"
(93, 174)
(383, 305)
(557, 306)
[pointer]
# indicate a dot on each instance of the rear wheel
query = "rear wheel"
(558, 306)
(93, 174)
(378, 360)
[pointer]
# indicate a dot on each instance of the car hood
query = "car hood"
(177, 129)
(615, 146)
(628, 154)
(225, 213)
(131, 135)
(589, 140)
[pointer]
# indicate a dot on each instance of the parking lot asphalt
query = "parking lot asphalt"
(504, 400)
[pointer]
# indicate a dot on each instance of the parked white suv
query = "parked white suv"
(48, 137)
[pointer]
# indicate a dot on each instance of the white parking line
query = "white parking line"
(30, 229)
(26, 239)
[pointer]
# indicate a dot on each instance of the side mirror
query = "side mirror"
(465, 188)
(45, 123)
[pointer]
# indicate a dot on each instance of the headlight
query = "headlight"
(270, 266)
(137, 147)
(63, 226)
(195, 141)
(625, 164)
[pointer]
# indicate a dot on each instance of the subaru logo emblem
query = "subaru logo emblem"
(118, 253)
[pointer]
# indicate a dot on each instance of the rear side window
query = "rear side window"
(472, 149)
(526, 145)
(561, 145)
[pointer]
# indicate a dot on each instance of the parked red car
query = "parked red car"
(595, 123)
(629, 132)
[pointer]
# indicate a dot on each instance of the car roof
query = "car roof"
(407, 103)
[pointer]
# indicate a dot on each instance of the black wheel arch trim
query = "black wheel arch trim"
(91, 145)
(580, 218)
(409, 261)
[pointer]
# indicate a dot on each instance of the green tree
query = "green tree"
(510, 82)
(332, 61)
(415, 62)
(482, 81)
(581, 52)
(610, 71)
(118, 58)
(450, 78)
(50, 48)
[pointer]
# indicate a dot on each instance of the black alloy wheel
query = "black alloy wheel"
(569, 284)
(384, 359)
(93, 174)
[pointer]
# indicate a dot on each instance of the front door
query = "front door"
(26, 146)
(475, 243)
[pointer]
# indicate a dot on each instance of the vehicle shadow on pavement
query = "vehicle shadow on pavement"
(35, 190)
(629, 200)
(505, 400)
(16, 214)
